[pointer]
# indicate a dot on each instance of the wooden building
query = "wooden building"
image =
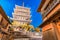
(50, 10)
(4, 21)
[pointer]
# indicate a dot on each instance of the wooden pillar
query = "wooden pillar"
(56, 29)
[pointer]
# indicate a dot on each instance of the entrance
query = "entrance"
(49, 34)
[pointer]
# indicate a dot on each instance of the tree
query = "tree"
(27, 27)
(37, 29)
(15, 23)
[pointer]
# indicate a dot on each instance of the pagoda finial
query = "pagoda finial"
(23, 4)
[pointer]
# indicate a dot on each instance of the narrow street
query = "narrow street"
(29, 19)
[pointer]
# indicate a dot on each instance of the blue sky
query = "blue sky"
(9, 5)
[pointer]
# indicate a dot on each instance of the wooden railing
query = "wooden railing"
(50, 7)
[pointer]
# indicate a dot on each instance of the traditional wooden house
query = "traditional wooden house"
(50, 10)
(4, 21)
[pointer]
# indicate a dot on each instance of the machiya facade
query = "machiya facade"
(50, 10)
(22, 14)
(4, 23)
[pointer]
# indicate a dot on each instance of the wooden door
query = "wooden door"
(49, 35)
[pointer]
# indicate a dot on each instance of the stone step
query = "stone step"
(22, 39)
(29, 39)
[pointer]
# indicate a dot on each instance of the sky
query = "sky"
(9, 5)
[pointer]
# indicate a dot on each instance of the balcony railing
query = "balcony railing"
(21, 14)
(22, 10)
(22, 20)
(50, 7)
